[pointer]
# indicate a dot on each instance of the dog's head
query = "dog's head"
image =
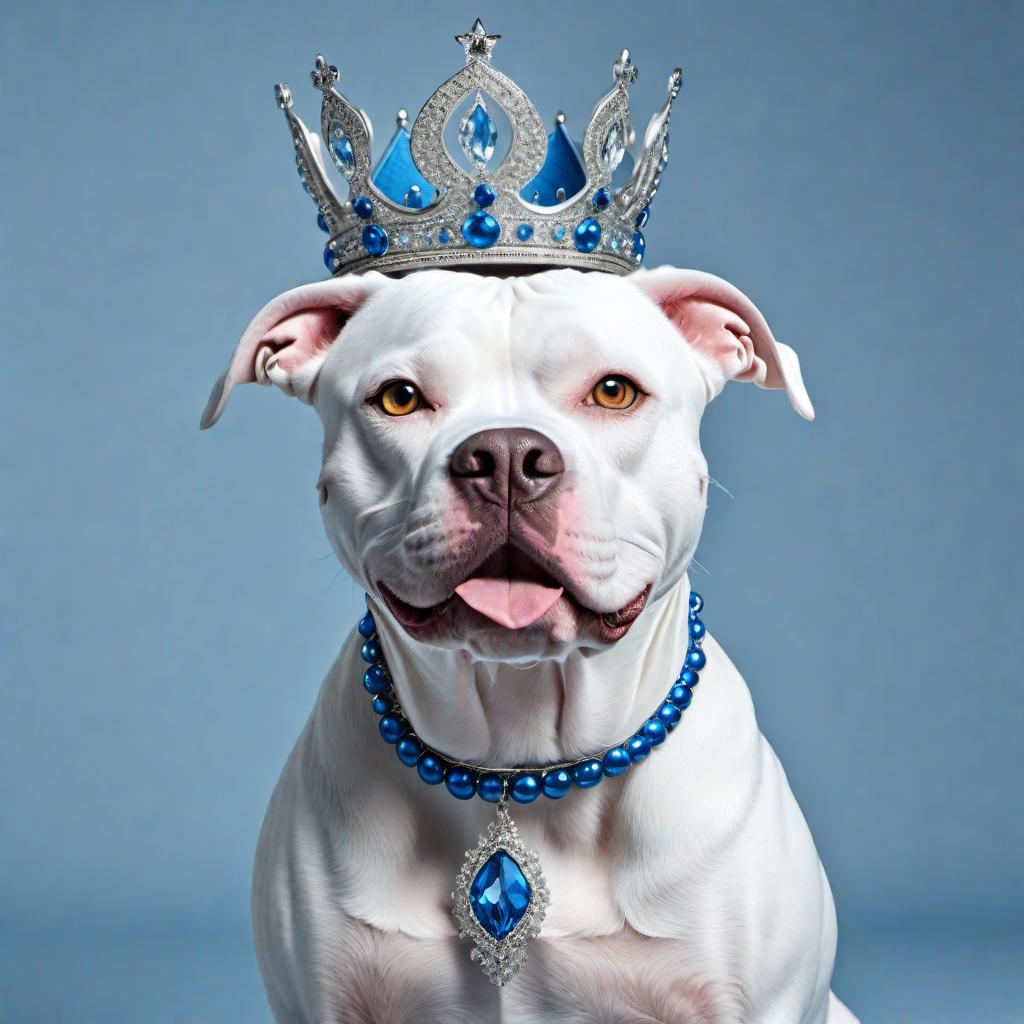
(513, 464)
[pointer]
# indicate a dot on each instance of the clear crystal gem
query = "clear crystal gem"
(477, 133)
(341, 149)
(500, 894)
(613, 149)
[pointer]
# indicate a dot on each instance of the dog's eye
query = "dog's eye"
(614, 393)
(399, 398)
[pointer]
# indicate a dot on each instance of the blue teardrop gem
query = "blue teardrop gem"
(480, 229)
(341, 149)
(477, 134)
(499, 895)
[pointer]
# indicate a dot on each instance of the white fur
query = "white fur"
(689, 891)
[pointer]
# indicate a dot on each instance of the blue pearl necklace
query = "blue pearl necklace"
(500, 895)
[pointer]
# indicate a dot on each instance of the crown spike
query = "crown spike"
(323, 75)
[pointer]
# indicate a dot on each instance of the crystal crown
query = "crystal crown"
(530, 199)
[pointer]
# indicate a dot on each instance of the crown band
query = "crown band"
(546, 203)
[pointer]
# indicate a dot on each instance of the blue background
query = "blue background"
(168, 604)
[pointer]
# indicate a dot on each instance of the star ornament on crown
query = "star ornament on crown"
(545, 203)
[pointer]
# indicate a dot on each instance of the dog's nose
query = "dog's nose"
(508, 465)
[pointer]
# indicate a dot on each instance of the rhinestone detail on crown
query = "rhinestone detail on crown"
(542, 202)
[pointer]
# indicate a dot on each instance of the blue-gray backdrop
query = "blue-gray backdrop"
(168, 602)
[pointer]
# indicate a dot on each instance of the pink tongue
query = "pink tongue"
(511, 603)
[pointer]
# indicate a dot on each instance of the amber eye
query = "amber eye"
(614, 393)
(399, 398)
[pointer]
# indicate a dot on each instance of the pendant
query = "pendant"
(500, 898)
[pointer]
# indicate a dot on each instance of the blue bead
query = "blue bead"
(641, 217)
(392, 727)
(680, 695)
(697, 628)
(461, 782)
(524, 232)
(669, 715)
(481, 230)
(639, 247)
(409, 749)
(688, 677)
(654, 731)
(616, 761)
(381, 704)
(491, 788)
(484, 194)
(587, 235)
(638, 747)
(602, 197)
(499, 894)
(588, 773)
(556, 783)
(430, 769)
(367, 627)
(328, 257)
(375, 240)
(696, 659)
(525, 788)
(444, 236)
(370, 651)
(696, 602)
(322, 224)
(362, 207)
(375, 679)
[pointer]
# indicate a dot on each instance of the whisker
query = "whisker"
(703, 568)
(724, 490)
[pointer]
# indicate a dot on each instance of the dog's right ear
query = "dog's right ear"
(289, 338)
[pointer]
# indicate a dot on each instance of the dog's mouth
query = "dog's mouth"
(514, 591)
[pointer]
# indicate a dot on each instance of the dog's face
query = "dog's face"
(512, 464)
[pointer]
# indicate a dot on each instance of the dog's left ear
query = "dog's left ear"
(289, 338)
(727, 330)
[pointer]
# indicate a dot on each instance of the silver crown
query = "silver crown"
(545, 203)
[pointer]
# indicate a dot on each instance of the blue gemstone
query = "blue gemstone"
(525, 788)
(697, 628)
(602, 197)
(696, 659)
(302, 173)
(444, 236)
(559, 233)
(341, 148)
(500, 894)
(484, 194)
(381, 704)
(638, 747)
(375, 240)
(588, 773)
(392, 727)
(322, 224)
(669, 715)
(477, 134)
(524, 232)
(409, 749)
(328, 257)
(688, 677)
(481, 230)
(639, 247)
(680, 695)
(556, 783)
(374, 679)
(654, 731)
(367, 627)
(616, 761)
(430, 768)
(362, 206)
(642, 216)
(491, 788)
(696, 602)
(461, 782)
(370, 651)
(587, 235)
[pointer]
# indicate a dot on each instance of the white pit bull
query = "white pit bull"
(512, 471)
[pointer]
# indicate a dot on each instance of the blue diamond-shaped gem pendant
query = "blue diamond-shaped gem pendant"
(500, 898)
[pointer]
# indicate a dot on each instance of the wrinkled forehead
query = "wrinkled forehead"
(538, 323)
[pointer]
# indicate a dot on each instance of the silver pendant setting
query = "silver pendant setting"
(500, 948)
